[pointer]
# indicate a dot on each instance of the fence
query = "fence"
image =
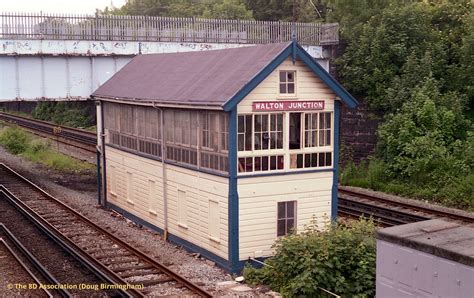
(149, 28)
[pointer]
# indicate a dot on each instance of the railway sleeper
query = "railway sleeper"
(132, 267)
(116, 254)
(121, 260)
(79, 234)
(153, 282)
(140, 272)
(102, 249)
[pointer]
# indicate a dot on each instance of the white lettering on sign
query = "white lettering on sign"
(287, 105)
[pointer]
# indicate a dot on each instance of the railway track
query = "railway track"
(123, 264)
(38, 273)
(78, 138)
(390, 212)
(20, 273)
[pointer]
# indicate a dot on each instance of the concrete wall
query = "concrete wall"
(406, 272)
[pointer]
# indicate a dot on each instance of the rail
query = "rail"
(167, 29)
(94, 244)
(392, 212)
(33, 261)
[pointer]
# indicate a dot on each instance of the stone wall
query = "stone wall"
(358, 133)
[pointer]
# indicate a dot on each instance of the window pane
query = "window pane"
(291, 88)
(280, 140)
(291, 76)
(314, 160)
(265, 163)
(248, 164)
(281, 228)
(248, 132)
(241, 165)
(273, 163)
(307, 160)
(280, 162)
(328, 120)
(299, 161)
(282, 88)
(322, 159)
(281, 210)
(282, 76)
(290, 225)
(241, 123)
(241, 142)
(258, 163)
(328, 159)
(280, 122)
(290, 209)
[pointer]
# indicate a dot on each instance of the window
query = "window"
(244, 133)
(182, 213)
(286, 218)
(287, 82)
(310, 160)
(214, 221)
(265, 131)
(324, 129)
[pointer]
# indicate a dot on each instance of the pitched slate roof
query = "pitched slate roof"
(204, 77)
(212, 78)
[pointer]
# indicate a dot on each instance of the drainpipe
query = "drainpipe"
(101, 154)
(163, 173)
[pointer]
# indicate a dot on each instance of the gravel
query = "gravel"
(84, 200)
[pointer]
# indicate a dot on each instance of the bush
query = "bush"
(63, 113)
(340, 259)
(14, 140)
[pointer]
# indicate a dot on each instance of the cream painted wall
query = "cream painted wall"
(258, 196)
(199, 188)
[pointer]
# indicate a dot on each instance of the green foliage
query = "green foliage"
(399, 46)
(227, 9)
(62, 113)
(423, 143)
(17, 142)
(14, 140)
(340, 259)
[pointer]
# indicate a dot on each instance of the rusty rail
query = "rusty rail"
(168, 29)
(93, 242)
(390, 212)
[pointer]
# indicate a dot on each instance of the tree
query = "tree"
(228, 9)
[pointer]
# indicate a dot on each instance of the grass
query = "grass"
(38, 150)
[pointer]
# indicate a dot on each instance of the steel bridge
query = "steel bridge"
(66, 57)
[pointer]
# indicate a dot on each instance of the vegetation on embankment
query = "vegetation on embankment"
(425, 151)
(340, 259)
(38, 150)
(64, 113)
(413, 62)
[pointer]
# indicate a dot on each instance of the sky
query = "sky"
(57, 6)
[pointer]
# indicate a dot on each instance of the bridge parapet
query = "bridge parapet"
(162, 29)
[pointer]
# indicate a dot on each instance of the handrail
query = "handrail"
(166, 29)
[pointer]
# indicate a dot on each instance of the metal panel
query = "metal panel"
(55, 77)
(8, 79)
(31, 78)
(103, 69)
(80, 76)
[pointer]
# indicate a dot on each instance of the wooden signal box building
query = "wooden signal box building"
(222, 151)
